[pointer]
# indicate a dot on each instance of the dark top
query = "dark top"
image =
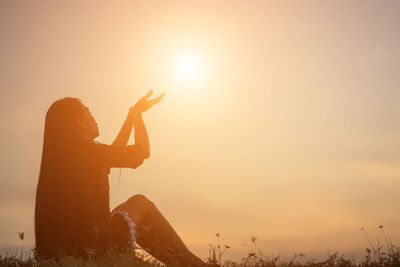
(78, 214)
(95, 207)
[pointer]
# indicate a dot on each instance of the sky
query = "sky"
(280, 120)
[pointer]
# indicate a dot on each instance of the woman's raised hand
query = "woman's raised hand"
(145, 103)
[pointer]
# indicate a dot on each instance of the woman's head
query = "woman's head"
(68, 120)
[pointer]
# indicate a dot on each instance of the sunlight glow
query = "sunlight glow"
(188, 67)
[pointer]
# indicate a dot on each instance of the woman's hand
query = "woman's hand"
(144, 103)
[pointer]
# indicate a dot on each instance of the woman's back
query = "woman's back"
(72, 203)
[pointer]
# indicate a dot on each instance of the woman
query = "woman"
(72, 200)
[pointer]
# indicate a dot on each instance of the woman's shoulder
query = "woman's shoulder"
(105, 150)
(118, 156)
(95, 149)
(99, 145)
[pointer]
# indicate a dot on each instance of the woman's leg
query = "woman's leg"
(155, 234)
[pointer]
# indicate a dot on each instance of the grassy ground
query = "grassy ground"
(376, 255)
(388, 257)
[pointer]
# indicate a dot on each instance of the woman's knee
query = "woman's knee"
(139, 199)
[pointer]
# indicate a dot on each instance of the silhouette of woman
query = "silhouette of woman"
(72, 199)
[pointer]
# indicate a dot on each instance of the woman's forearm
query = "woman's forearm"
(125, 132)
(141, 136)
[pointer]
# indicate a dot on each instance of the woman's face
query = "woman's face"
(88, 124)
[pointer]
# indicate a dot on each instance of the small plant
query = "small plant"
(216, 253)
(21, 236)
(380, 257)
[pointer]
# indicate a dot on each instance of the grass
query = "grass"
(376, 255)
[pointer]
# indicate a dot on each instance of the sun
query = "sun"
(188, 67)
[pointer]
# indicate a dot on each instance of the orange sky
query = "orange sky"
(289, 130)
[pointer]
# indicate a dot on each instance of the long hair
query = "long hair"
(55, 199)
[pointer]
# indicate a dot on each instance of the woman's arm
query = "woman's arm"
(125, 132)
(141, 136)
(121, 155)
(135, 119)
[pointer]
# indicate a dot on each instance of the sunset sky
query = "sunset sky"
(281, 118)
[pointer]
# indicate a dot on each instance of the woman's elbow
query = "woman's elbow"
(145, 153)
(137, 162)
